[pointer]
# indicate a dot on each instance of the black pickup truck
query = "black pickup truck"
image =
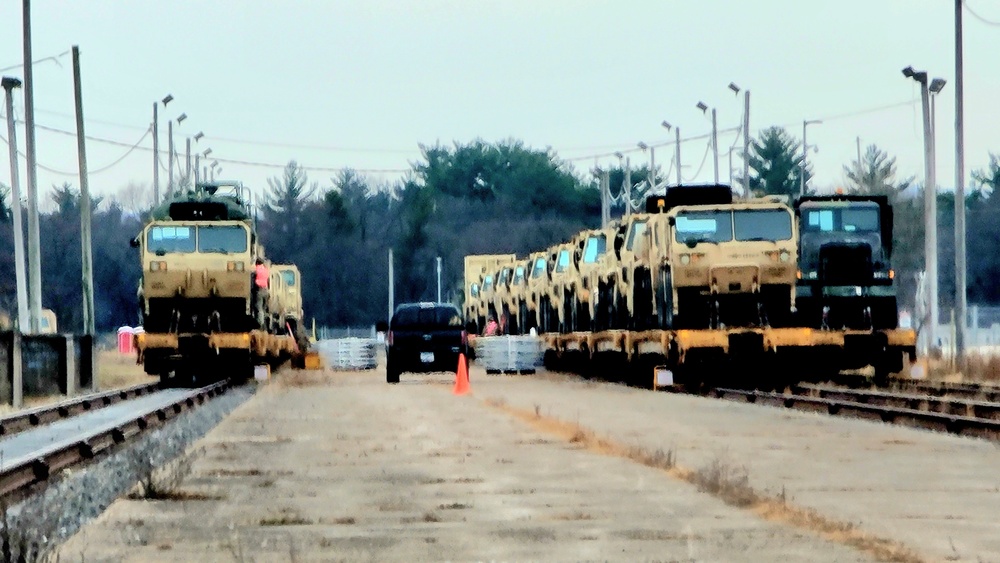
(424, 337)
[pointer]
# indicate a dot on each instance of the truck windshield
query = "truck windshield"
(223, 239)
(563, 261)
(519, 275)
(594, 249)
(289, 277)
(488, 283)
(474, 290)
(861, 219)
(762, 224)
(427, 317)
(638, 228)
(170, 239)
(703, 226)
(539, 268)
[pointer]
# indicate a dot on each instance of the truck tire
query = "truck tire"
(391, 373)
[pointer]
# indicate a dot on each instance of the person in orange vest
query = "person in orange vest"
(261, 281)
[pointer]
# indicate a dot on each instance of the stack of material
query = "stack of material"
(509, 354)
(348, 353)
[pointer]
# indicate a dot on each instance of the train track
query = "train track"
(969, 415)
(30, 418)
(59, 440)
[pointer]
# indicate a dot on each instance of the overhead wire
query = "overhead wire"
(704, 159)
(969, 9)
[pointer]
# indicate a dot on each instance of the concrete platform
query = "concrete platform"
(341, 466)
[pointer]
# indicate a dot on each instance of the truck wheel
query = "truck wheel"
(391, 374)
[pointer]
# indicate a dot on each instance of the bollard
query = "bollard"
(17, 379)
(72, 374)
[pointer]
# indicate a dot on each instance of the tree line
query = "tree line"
(460, 199)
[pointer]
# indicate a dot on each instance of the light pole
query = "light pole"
(677, 143)
(805, 151)
(652, 164)
(960, 256)
(23, 319)
(197, 158)
(715, 139)
(214, 164)
(156, 147)
(746, 138)
(930, 208)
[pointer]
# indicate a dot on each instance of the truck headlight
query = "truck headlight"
(784, 256)
(685, 259)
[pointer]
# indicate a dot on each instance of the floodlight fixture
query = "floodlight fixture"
(937, 85)
(167, 99)
(918, 75)
(9, 82)
(206, 153)
(734, 87)
(643, 145)
(181, 118)
(198, 136)
(666, 125)
(702, 106)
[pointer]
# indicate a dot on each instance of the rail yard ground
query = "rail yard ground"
(326, 465)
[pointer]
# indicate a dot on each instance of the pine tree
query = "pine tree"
(775, 164)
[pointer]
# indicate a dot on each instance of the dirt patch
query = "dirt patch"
(572, 516)
(658, 535)
(301, 378)
(454, 506)
(285, 517)
(722, 480)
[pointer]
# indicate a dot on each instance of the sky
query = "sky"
(362, 84)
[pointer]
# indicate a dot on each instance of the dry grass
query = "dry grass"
(724, 480)
(284, 519)
(300, 378)
(119, 370)
(980, 367)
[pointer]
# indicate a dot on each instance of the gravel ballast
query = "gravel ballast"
(74, 497)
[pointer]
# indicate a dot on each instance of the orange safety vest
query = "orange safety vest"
(261, 276)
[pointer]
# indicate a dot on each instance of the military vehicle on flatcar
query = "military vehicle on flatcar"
(477, 269)
(845, 268)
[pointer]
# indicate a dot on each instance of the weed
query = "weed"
(454, 506)
(726, 481)
(431, 517)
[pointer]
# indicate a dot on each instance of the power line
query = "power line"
(969, 9)
(89, 172)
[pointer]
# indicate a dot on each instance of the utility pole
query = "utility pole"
(628, 187)
(156, 156)
(187, 166)
(746, 144)
(87, 259)
(960, 267)
(34, 259)
(170, 157)
(23, 318)
(715, 146)
(805, 151)
(930, 217)
(677, 142)
(391, 288)
(439, 278)
(605, 204)
(652, 169)
(197, 163)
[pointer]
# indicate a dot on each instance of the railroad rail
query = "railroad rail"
(33, 461)
(903, 409)
(29, 418)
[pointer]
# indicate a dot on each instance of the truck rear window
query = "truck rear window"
(426, 317)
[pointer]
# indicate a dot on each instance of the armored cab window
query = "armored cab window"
(474, 290)
(563, 261)
(596, 245)
(519, 275)
(703, 226)
(862, 219)
(170, 239)
(539, 269)
(228, 239)
(504, 276)
(289, 277)
(762, 224)
(488, 283)
(638, 228)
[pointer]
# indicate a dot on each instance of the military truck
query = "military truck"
(477, 269)
(554, 303)
(196, 296)
(589, 251)
(845, 269)
(531, 291)
(706, 261)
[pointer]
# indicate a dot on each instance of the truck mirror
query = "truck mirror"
(619, 243)
(134, 243)
(381, 326)
(671, 221)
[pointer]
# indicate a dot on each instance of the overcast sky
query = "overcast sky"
(360, 84)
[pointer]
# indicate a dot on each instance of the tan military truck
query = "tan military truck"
(477, 268)
(616, 283)
(529, 288)
(554, 303)
(499, 304)
(718, 265)
(589, 256)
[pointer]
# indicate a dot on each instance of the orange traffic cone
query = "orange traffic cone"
(462, 377)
